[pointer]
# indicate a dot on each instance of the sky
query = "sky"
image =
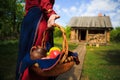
(75, 8)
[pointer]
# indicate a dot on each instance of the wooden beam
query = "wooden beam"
(77, 35)
(105, 36)
(87, 35)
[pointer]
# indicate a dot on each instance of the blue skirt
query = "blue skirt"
(27, 35)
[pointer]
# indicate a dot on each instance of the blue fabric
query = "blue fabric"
(27, 34)
(44, 63)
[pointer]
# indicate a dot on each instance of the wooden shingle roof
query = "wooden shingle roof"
(92, 21)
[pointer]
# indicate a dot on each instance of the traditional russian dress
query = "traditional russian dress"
(32, 28)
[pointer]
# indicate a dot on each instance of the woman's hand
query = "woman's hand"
(52, 19)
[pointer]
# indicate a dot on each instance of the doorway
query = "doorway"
(83, 34)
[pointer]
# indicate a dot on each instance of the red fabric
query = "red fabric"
(28, 76)
(44, 5)
(31, 3)
(41, 28)
(25, 75)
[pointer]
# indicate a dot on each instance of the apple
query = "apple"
(54, 53)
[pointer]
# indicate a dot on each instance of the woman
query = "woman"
(39, 16)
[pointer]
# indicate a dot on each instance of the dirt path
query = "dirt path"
(75, 72)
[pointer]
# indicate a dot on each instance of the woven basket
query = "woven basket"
(64, 63)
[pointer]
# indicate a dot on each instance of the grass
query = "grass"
(58, 42)
(8, 57)
(102, 63)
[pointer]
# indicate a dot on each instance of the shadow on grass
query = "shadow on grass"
(8, 59)
(112, 56)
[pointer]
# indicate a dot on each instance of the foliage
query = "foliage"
(68, 29)
(19, 16)
(102, 63)
(10, 17)
(115, 34)
(58, 33)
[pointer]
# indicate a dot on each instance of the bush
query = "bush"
(58, 33)
(115, 34)
(68, 29)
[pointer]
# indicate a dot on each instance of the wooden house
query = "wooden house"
(91, 29)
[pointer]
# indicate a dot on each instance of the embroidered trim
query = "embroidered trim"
(37, 29)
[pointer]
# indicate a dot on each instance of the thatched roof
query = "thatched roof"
(92, 21)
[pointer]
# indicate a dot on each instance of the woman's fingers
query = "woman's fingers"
(52, 19)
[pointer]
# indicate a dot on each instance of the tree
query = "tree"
(68, 30)
(57, 32)
(115, 34)
(9, 18)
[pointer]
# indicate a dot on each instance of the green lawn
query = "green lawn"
(8, 57)
(102, 63)
(58, 42)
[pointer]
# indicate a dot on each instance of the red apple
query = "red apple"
(54, 53)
